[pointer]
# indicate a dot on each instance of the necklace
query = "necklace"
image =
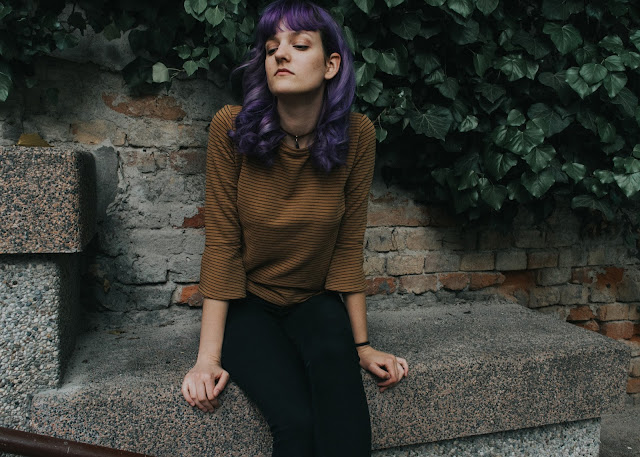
(295, 137)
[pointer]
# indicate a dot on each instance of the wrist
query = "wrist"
(210, 359)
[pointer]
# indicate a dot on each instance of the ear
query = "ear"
(333, 65)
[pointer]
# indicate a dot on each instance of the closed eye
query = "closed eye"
(301, 47)
(271, 51)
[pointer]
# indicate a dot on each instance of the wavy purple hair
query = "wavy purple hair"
(257, 127)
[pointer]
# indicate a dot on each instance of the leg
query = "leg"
(321, 330)
(263, 362)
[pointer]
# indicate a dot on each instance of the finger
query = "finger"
(392, 368)
(222, 383)
(209, 389)
(404, 364)
(377, 371)
(201, 399)
(186, 394)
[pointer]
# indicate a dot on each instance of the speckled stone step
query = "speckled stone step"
(476, 369)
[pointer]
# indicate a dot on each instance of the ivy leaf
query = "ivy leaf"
(482, 62)
(634, 37)
(437, 77)
(214, 51)
(540, 157)
(371, 90)
(449, 88)
(561, 9)
(435, 2)
(631, 59)
(514, 66)
(6, 82)
(499, 164)
(566, 37)
(406, 26)
(604, 176)
(426, 62)
(388, 62)
(190, 67)
(532, 69)
(614, 82)
(523, 141)
(462, 201)
(515, 118)
(576, 171)
(365, 5)
(364, 72)
(466, 33)
(160, 73)
(463, 7)
(435, 122)
(577, 83)
(214, 16)
(587, 54)
(468, 180)
(593, 73)
(636, 151)
(606, 130)
(197, 6)
(537, 184)
(627, 164)
(469, 123)
(494, 196)
(588, 201)
(627, 100)
(556, 81)
(370, 55)
(547, 119)
(616, 146)
(381, 134)
(229, 30)
(487, 6)
(614, 63)
(393, 3)
(628, 183)
(612, 43)
(491, 92)
(530, 44)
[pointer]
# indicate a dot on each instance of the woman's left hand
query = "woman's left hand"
(388, 367)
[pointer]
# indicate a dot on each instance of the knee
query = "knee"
(293, 435)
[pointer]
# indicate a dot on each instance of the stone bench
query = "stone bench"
(491, 377)
(47, 216)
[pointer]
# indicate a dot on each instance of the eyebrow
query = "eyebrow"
(294, 33)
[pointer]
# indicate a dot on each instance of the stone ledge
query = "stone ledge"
(48, 200)
(476, 369)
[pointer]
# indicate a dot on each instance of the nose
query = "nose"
(281, 54)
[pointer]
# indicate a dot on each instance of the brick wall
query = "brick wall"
(150, 157)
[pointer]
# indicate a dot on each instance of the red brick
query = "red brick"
(542, 259)
(591, 325)
(393, 211)
(613, 312)
(190, 295)
(418, 284)
(160, 107)
(482, 280)
(582, 275)
(381, 286)
(581, 313)
(633, 385)
(454, 281)
(195, 221)
(518, 280)
(610, 277)
(617, 330)
(636, 329)
(477, 261)
(188, 161)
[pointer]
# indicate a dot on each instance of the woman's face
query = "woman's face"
(296, 63)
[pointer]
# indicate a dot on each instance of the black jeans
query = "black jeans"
(300, 367)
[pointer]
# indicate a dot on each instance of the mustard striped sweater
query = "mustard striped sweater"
(289, 231)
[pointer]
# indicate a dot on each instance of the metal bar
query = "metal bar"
(34, 445)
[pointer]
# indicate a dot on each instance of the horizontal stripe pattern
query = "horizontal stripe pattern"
(289, 231)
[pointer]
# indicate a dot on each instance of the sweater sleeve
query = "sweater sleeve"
(346, 272)
(222, 273)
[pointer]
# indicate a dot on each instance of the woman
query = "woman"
(288, 178)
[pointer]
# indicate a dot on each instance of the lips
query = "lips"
(283, 70)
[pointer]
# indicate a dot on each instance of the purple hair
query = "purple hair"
(257, 127)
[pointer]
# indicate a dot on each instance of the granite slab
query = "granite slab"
(48, 200)
(476, 369)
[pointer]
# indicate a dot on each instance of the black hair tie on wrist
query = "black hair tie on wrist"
(366, 343)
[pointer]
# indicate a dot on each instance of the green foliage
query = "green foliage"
(486, 105)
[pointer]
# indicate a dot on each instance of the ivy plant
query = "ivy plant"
(484, 105)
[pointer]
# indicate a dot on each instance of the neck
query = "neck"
(299, 117)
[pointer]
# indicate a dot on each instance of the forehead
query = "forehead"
(292, 34)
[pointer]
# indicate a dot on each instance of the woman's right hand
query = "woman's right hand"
(203, 384)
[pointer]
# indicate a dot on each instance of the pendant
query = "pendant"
(297, 144)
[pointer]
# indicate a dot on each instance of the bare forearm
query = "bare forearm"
(357, 310)
(214, 316)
